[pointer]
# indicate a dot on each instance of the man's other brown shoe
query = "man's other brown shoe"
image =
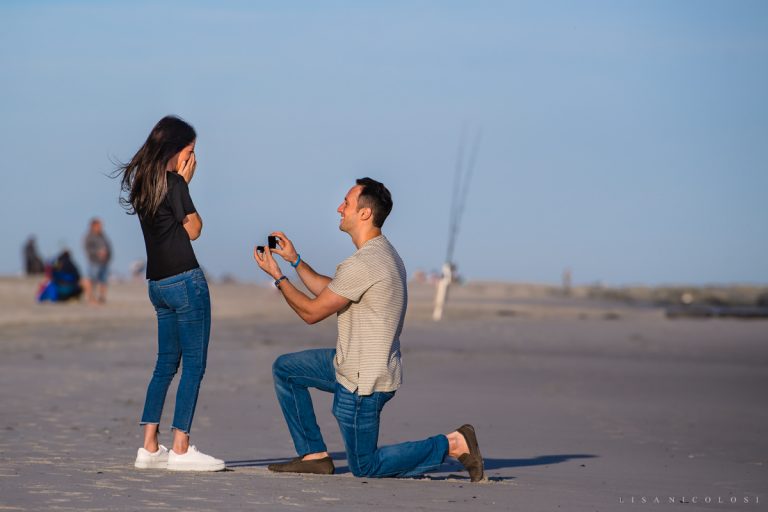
(472, 461)
(322, 466)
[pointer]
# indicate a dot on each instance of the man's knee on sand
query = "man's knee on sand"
(366, 471)
(363, 466)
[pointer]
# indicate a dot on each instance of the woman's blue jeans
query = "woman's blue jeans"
(183, 308)
(358, 418)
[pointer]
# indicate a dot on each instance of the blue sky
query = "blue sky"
(623, 139)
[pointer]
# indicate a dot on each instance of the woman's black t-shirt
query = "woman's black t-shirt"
(169, 250)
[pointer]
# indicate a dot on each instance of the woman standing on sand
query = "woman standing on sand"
(156, 185)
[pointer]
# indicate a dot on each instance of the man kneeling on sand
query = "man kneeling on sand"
(369, 295)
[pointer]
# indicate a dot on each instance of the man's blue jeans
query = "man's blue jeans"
(183, 308)
(358, 418)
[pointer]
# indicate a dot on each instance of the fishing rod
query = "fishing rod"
(461, 182)
(462, 178)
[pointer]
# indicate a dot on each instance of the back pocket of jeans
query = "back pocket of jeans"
(175, 295)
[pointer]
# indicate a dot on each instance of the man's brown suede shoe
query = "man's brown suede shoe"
(322, 466)
(472, 461)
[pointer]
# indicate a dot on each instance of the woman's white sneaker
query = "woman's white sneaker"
(148, 460)
(193, 460)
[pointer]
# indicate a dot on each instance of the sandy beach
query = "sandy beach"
(579, 404)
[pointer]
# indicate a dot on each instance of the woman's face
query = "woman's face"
(177, 161)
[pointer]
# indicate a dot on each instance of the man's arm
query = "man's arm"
(310, 310)
(314, 282)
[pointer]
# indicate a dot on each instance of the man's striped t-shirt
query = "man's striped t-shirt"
(368, 346)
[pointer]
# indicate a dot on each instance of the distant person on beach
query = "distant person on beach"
(369, 296)
(99, 253)
(156, 184)
(33, 263)
(62, 280)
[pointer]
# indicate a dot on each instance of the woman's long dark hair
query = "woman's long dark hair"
(143, 184)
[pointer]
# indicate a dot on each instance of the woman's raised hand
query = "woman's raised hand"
(188, 168)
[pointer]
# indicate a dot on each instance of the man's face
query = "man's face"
(348, 209)
(96, 227)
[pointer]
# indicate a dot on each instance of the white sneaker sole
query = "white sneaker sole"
(150, 464)
(197, 467)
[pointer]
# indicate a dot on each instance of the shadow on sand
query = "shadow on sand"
(490, 464)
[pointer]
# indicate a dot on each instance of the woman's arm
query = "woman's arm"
(193, 224)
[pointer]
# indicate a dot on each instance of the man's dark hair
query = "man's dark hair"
(375, 196)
